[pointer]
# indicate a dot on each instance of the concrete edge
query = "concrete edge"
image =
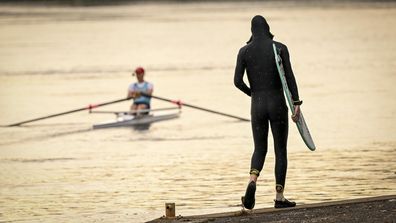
(273, 210)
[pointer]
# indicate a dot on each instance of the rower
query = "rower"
(141, 86)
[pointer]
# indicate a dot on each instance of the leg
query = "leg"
(280, 133)
(260, 136)
(280, 128)
(142, 107)
(134, 107)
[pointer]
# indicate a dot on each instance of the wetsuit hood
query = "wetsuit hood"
(260, 27)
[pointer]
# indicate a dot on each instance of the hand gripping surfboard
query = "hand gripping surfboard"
(301, 125)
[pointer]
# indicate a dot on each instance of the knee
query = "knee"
(281, 155)
(142, 106)
(260, 151)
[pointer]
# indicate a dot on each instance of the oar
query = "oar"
(133, 112)
(196, 107)
(68, 112)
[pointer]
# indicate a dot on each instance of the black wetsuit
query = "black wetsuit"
(268, 105)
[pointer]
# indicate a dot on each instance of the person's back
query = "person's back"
(261, 68)
(268, 105)
(258, 58)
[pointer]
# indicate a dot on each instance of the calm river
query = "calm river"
(55, 59)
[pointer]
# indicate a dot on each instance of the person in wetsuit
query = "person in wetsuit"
(268, 105)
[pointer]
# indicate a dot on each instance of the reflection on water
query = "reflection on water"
(142, 127)
(54, 59)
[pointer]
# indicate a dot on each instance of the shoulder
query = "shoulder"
(132, 85)
(282, 49)
(245, 47)
(280, 45)
(149, 84)
(242, 51)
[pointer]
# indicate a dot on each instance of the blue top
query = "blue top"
(141, 87)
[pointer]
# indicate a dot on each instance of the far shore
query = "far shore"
(281, 3)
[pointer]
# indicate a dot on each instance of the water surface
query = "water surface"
(54, 59)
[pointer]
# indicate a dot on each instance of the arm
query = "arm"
(291, 81)
(239, 72)
(150, 89)
(131, 92)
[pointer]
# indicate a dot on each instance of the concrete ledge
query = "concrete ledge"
(371, 209)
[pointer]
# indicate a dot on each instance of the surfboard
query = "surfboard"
(301, 124)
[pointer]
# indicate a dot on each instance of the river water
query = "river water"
(54, 59)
